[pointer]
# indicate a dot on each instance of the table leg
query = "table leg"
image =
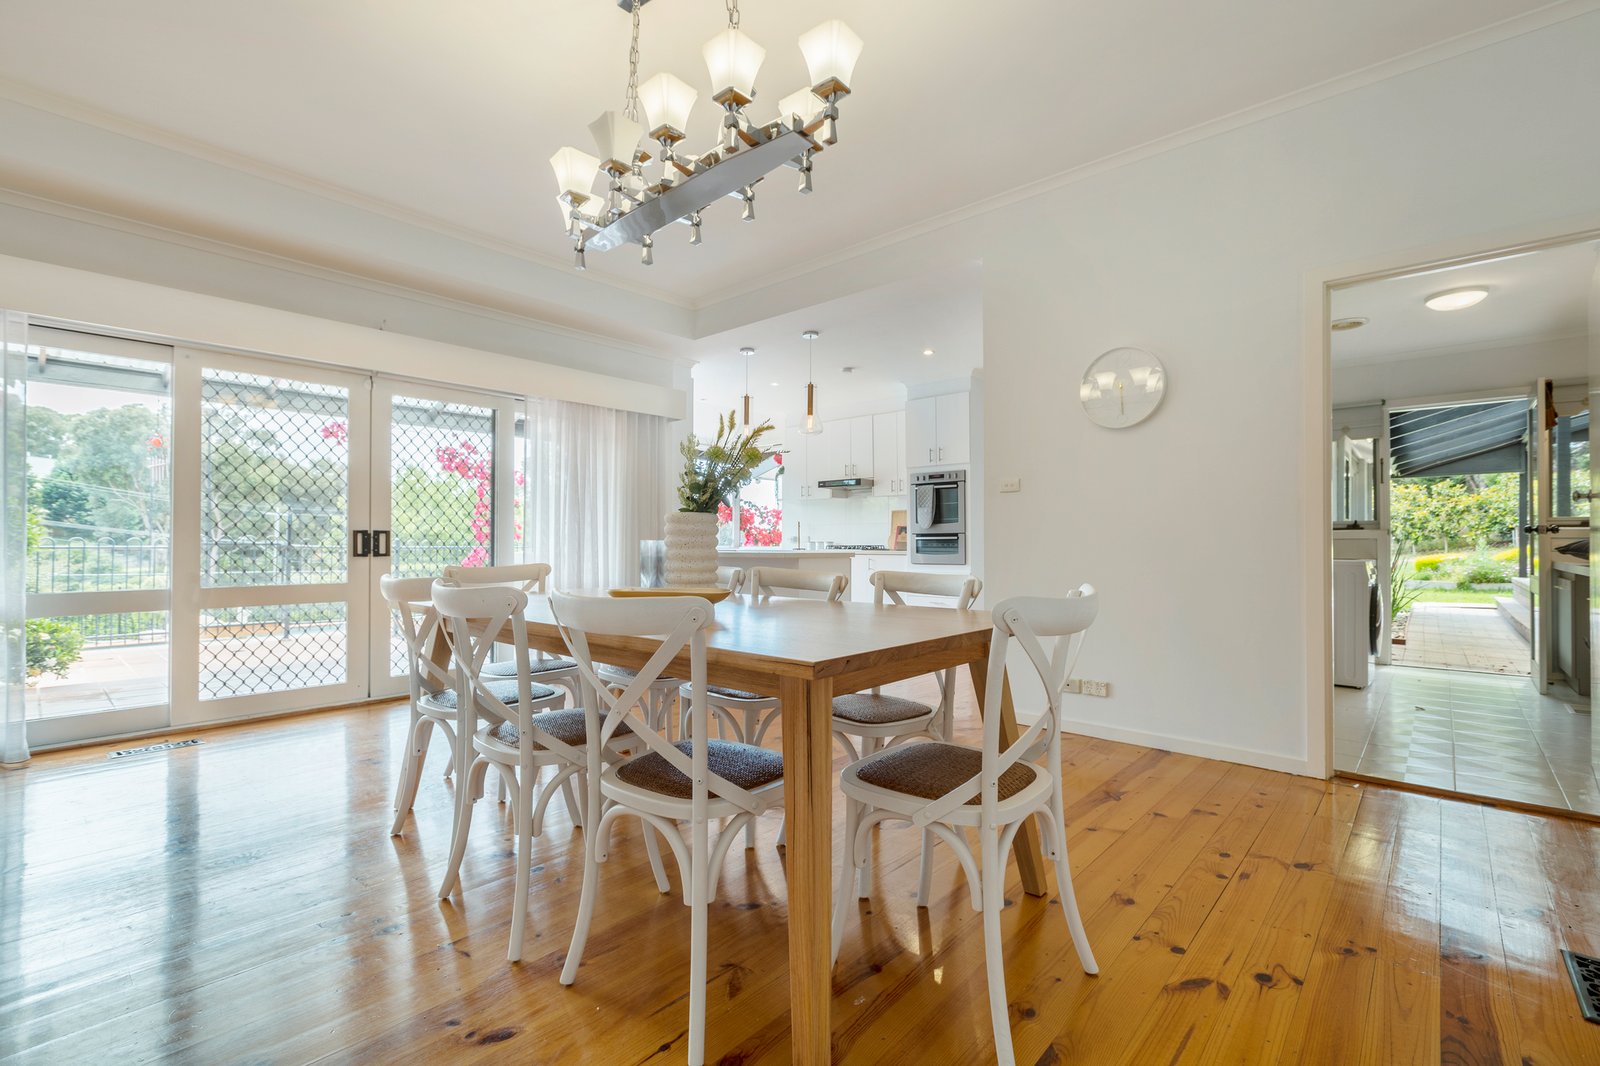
(1030, 860)
(808, 799)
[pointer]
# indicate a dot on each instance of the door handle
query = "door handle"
(380, 544)
(360, 543)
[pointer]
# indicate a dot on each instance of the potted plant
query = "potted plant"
(711, 475)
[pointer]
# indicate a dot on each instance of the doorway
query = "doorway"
(1461, 535)
(207, 530)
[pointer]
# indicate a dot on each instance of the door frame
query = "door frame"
(1317, 287)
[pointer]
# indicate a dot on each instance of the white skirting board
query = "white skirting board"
(1265, 760)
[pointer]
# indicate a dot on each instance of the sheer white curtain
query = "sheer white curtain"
(13, 540)
(595, 487)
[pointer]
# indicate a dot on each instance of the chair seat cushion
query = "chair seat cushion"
(504, 690)
(864, 708)
(734, 693)
(745, 765)
(930, 770)
(508, 667)
(566, 725)
(624, 674)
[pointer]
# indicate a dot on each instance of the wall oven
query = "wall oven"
(939, 502)
(939, 549)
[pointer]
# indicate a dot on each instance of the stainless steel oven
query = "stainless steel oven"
(938, 549)
(939, 502)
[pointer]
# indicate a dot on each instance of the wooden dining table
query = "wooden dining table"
(806, 652)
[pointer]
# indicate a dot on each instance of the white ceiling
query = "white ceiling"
(1536, 296)
(881, 332)
(445, 115)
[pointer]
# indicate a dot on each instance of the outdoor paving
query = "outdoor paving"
(1447, 636)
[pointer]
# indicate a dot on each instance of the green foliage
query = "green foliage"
(1481, 569)
(64, 499)
(1428, 564)
(1401, 594)
(1453, 511)
(726, 465)
(54, 644)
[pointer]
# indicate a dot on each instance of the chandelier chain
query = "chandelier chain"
(733, 13)
(630, 103)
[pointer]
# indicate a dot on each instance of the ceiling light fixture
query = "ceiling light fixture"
(636, 205)
(1341, 325)
(812, 423)
(1455, 299)
(747, 353)
(927, 351)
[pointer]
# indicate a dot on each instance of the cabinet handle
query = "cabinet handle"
(941, 455)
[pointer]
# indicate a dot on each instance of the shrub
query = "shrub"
(1427, 563)
(54, 644)
(1482, 569)
(1505, 555)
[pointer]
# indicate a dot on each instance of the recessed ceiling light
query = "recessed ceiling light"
(774, 384)
(1339, 325)
(1455, 299)
(927, 351)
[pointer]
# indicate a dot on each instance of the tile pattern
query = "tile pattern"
(1475, 733)
(1458, 637)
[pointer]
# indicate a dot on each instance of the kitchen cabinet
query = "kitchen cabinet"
(864, 565)
(799, 481)
(939, 430)
(846, 447)
(889, 454)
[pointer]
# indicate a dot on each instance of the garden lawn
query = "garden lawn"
(1475, 598)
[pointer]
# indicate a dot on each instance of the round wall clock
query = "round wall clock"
(1123, 387)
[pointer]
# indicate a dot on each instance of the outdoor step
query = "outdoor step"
(1515, 611)
(1522, 592)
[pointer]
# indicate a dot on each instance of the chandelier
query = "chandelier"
(651, 182)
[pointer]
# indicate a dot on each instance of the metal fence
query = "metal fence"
(100, 564)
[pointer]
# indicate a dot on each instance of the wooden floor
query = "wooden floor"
(243, 902)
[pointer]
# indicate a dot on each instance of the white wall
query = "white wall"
(1463, 370)
(1203, 528)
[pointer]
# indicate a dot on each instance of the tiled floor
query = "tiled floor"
(1479, 734)
(1454, 637)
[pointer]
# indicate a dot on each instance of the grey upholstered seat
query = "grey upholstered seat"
(734, 693)
(503, 690)
(744, 765)
(867, 708)
(566, 725)
(508, 667)
(930, 770)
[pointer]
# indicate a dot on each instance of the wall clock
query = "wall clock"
(1123, 387)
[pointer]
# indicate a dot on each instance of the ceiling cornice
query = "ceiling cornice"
(211, 246)
(1517, 26)
(72, 110)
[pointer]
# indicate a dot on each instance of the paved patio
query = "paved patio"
(1448, 636)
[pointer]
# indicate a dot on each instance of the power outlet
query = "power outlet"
(1095, 688)
(1012, 485)
(1072, 685)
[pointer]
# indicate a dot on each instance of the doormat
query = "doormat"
(149, 748)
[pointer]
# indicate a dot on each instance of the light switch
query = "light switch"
(1014, 485)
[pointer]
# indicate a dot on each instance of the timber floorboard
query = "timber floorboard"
(242, 901)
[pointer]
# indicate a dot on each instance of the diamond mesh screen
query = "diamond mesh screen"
(442, 470)
(246, 650)
(274, 481)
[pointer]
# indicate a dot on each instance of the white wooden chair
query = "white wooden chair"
(948, 788)
(880, 721)
(694, 780)
(533, 735)
(411, 602)
(532, 578)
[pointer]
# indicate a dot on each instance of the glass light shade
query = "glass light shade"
(804, 103)
(1456, 299)
(831, 51)
(733, 60)
(1088, 391)
(1106, 379)
(575, 172)
(1140, 375)
(616, 136)
(667, 101)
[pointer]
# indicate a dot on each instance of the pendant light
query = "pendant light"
(747, 353)
(812, 424)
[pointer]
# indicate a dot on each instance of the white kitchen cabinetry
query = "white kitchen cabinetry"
(847, 449)
(863, 566)
(938, 430)
(799, 481)
(889, 454)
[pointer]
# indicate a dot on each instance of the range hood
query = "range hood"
(845, 486)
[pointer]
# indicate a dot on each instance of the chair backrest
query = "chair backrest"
(675, 624)
(890, 585)
(410, 600)
(529, 577)
(730, 578)
(763, 581)
(474, 619)
(1029, 620)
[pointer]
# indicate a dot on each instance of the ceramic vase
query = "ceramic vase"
(691, 549)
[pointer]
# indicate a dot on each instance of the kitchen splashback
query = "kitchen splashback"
(855, 520)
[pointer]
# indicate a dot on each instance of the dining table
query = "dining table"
(805, 652)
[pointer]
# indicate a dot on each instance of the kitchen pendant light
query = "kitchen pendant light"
(747, 353)
(812, 425)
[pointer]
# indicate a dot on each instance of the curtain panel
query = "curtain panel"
(13, 540)
(595, 487)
